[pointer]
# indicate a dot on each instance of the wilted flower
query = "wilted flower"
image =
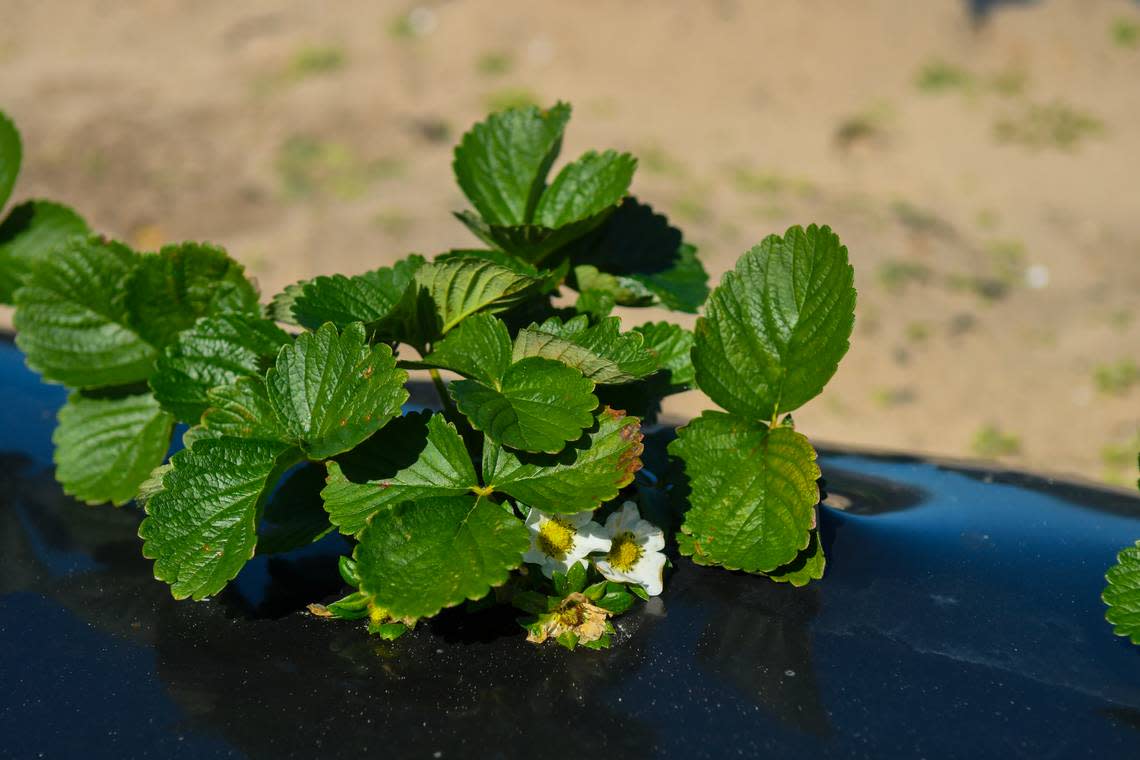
(557, 542)
(635, 553)
(576, 615)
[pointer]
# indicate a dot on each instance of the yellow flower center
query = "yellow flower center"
(556, 538)
(624, 552)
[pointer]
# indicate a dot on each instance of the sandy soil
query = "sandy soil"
(983, 174)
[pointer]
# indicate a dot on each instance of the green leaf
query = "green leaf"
(373, 298)
(294, 515)
(461, 287)
(549, 279)
(1122, 594)
(778, 325)
(671, 345)
(280, 308)
(71, 321)
(331, 391)
(647, 258)
(585, 474)
(808, 565)
(480, 347)
(201, 528)
(681, 287)
(501, 164)
(106, 447)
(539, 405)
(243, 410)
(601, 287)
(326, 394)
(31, 232)
(601, 353)
(11, 152)
(530, 242)
(593, 184)
(171, 289)
(416, 456)
(421, 556)
(753, 492)
(215, 351)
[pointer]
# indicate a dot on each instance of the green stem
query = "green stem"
(444, 398)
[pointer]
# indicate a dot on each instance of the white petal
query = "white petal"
(592, 538)
(578, 519)
(652, 540)
(648, 572)
(623, 520)
(535, 518)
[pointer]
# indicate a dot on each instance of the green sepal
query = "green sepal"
(347, 569)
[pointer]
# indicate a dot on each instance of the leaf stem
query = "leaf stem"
(444, 398)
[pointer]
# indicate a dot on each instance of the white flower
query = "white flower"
(557, 542)
(635, 550)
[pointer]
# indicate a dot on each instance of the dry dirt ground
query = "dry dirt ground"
(983, 173)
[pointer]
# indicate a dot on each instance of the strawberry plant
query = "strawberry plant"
(521, 488)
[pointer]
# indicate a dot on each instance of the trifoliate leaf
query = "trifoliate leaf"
(539, 405)
(501, 164)
(421, 556)
(1122, 594)
(294, 515)
(416, 456)
(31, 232)
(330, 391)
(778, 325)
(170, 290)
(71, 322)
(602, 353)
(753, 492)
(201, 528)
(480, 347)
(106, 447)
(592, 185)
(671, 345)
(11, 152)
(586, 473)
(462, 286)
(215, 351)
(647, 258)
(808, 565)
(373, 298)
